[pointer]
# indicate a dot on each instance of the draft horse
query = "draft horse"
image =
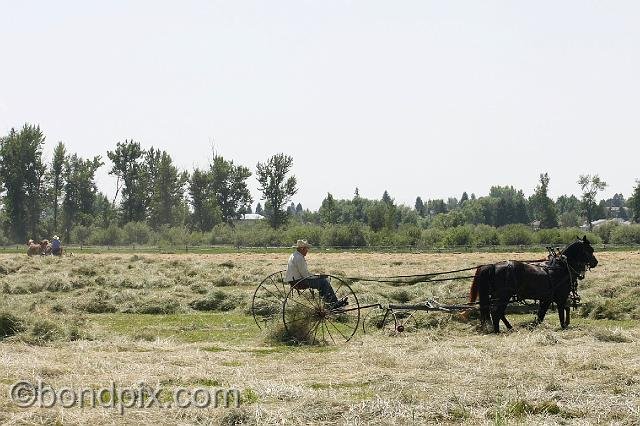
(552, 281)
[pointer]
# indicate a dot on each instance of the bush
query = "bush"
(175, 236)
(627, 234)
(485, 235)
(431, 237)
(516, 234)
(137, 233)
(548, 237)
(458, 236)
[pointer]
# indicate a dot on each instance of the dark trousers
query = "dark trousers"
(323, 287)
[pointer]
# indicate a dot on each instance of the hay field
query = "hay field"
(183, 321)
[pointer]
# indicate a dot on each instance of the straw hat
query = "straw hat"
(302, 244)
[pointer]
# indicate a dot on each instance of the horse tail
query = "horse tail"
(473, 292)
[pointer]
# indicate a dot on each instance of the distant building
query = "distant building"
(251, 216)
(600, 222)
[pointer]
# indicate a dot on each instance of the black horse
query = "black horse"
(552, 281)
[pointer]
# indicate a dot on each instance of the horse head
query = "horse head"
(580, 253)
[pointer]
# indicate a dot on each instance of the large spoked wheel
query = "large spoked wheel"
(268, 299)
(309, 319)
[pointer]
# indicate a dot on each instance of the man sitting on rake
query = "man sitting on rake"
(298, 274)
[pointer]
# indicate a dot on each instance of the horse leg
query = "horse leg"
(506, 322)
(542, 310)
(564, 314)
(497, 315)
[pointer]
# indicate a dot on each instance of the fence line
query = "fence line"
(186, 248)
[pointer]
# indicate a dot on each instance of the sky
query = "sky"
(419, 98)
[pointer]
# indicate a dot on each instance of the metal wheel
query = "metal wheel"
(268, 298)
(390, 321)
(378, 319)
(308, 319)
(405, 322)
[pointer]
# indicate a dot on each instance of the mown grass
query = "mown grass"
(80, 320)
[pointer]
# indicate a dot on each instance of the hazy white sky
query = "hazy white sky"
(426, 98)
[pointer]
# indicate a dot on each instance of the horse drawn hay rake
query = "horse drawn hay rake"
(306, 316)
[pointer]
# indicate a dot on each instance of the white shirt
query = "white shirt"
(296, 267)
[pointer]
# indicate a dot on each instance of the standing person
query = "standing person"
(298, 273)
(56, 246)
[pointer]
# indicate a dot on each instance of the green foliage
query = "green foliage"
(22, 174)
(458, 236)
(629, 234)
(634, 203)
(129, 168)
(541, 206)
(165, 186)
(79, 192)
(515, 234)
(277, 188)
(228, 187)
(485, 235)
(137, 233)
(590, 186)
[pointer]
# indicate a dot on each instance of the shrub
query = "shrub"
(458, 236)
(137, 233)
(485, 235)
(629, 234)
(548, 236)
(516, 234)
(431, 237)
(175, 236)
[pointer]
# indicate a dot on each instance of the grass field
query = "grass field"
(183, 321)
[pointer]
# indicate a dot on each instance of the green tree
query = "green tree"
(276, 187)
(22, 173)
(166, 190)
(541, 206)
(328, 211)
(419, 206)
(206, 213)
(80, 192)
(57, 183)
(104, 211)
(511, 206)
(132, 179)
(590, 186)
(229, 188)
(634, 203)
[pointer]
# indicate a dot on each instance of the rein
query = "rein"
(574, 276)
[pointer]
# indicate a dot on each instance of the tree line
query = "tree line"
(155, 201)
